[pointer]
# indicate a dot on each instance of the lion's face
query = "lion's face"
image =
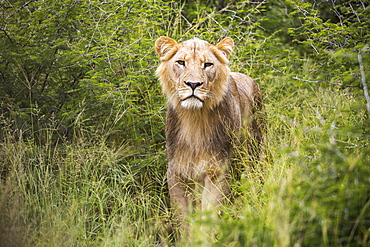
(194, 74)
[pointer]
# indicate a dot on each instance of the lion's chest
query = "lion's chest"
(197, 144)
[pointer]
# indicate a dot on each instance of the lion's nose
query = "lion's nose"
(193, 85)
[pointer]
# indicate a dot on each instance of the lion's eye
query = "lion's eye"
(181, 62)
(208, 65)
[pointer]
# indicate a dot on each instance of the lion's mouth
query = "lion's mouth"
(192, 102)
(193, 96)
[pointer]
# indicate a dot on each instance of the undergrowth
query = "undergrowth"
(82, 117)
(84, 192)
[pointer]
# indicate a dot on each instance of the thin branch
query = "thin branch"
(299, 79)
(358, 18)
(24, 5)
(363, 80)
(6, 34)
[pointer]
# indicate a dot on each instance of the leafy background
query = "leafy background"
(82, 156)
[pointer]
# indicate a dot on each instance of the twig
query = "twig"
(24, 5)
(6, 34)
(363, 79)
(299, 79)
(314, 106)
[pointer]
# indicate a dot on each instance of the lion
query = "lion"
(209, 110)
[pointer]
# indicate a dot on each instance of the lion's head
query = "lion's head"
(194, 74)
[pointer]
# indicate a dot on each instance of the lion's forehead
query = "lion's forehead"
(195, 43)
(195, 49)
(200, 56)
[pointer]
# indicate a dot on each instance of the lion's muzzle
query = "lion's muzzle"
(193, 85)
(192, 100)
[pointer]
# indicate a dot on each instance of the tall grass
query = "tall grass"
(104, 184)
(84, 192)
(78, 193)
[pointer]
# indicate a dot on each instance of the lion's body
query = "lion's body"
(208, 106)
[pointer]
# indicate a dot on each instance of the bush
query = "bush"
(82, 158)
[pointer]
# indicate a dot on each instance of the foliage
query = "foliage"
(82, 158)
(335, 38)
(61, 63)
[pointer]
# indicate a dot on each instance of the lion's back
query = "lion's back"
(248, 90)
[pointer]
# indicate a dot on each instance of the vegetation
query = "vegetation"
(82, 147)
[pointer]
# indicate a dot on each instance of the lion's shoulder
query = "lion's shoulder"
(245, 84)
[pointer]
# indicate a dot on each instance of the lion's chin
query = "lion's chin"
(192, 103)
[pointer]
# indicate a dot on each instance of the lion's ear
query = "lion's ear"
(226, 46)
(164, 45)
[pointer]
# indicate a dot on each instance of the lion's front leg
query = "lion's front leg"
(215, 191)
(179, 200)
(216, 185)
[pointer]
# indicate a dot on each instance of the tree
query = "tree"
(336, 34)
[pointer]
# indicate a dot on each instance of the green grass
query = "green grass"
(82, 147)
(86, 192)
(77, 194)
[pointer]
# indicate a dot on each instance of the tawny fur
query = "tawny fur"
(207, 108)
